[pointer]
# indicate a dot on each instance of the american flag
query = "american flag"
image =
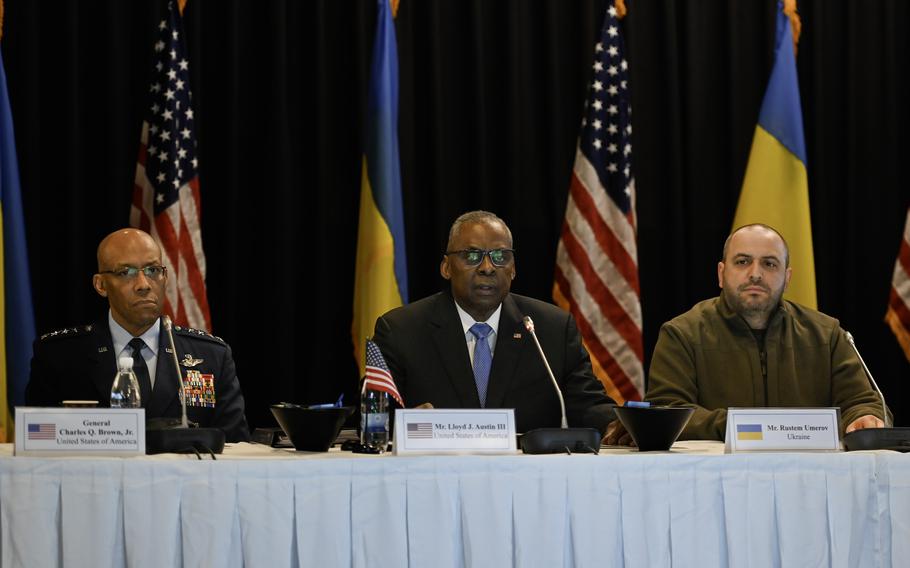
(597, 258)
(166, 189)
(42, 431)
(898, 315)
(420, 430)
(378, 377)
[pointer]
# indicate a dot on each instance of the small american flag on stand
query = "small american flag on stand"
(378, 377)
(166, 201)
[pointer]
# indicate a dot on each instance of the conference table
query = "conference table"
(260, 506)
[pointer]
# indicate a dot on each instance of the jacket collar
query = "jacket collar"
(509, 345)
(102, 373)
(165, 392)
(448, 336)
(737, 322)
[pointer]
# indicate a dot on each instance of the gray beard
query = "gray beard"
(756, 315)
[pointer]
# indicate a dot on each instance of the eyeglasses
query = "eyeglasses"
(473, 257)
(131, 272)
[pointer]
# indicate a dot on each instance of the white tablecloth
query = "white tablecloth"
(256, 506)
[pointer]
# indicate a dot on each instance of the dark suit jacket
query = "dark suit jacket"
(79, 364)
(424, 346)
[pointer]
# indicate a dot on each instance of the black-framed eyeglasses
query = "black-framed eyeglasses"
(473, 257)
(154, 272)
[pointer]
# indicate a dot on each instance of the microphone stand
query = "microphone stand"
(557, 440)
(881, 395)
(887, 438)
(164, 435)
(166, 321)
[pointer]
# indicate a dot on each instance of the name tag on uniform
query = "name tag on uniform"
(438, 430)
(80, 431)
(782, 429)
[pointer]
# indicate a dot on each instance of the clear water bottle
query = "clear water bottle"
(125, 390)
(374, 420)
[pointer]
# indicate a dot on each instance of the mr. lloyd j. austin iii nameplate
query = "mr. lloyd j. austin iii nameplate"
(440, 430)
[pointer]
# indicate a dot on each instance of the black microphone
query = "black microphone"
(557, 440)
(167, 435)
(887, 438)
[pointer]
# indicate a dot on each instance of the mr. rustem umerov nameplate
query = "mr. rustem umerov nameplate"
(782, 429)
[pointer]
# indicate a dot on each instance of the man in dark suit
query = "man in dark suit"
(468, 348)
(80, 363)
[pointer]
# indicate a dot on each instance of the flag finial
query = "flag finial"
(621, 10)
(796, 25)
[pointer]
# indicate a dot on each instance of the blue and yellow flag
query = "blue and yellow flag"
(17, 320)
(380, 277)
(776, 187)
(749, 432)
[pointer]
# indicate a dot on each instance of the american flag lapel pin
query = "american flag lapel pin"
(516, 335)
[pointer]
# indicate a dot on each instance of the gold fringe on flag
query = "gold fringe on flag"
(395, 7)
(900, 332)
(795, 25)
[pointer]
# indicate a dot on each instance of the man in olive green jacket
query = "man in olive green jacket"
(750, 348)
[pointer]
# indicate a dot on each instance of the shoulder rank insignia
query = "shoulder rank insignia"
(68, 332)
(189, 361)
(197, 333)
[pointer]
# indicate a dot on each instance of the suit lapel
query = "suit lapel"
(102, 373)
(509, 343)
(452, 350)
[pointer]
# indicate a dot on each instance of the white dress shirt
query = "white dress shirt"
(122, 338)
(467, 321)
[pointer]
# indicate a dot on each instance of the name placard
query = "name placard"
(80, 431)
(782, 429)
(439, 430)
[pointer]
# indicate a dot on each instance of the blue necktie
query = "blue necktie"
(483, 359)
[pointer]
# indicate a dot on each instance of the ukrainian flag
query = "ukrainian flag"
(17, 321)
(748, 432)
(380, 278)
(776, 188)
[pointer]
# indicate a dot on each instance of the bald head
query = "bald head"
(122, 242)
(132, 279)
(476, 217)
(758, 228)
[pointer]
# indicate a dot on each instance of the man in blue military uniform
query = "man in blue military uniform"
(80, 363)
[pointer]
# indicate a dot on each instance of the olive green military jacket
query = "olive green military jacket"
(709, 357)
